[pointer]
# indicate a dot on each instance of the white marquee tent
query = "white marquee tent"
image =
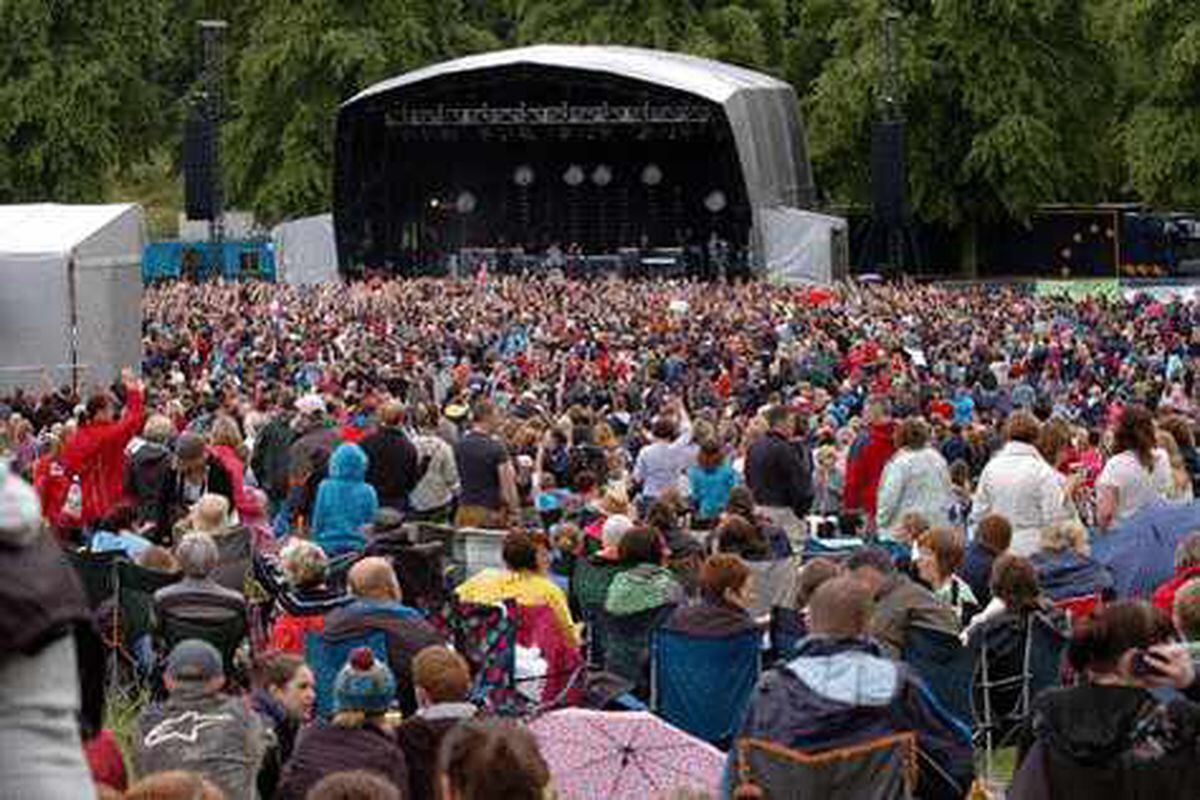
(805, 247)
(305, 251)
(70, 292)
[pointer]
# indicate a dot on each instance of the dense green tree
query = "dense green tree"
(79, 93)
(1156, 44)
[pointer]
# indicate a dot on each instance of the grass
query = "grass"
(120, 716)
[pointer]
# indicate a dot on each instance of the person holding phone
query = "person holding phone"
(1113, 735)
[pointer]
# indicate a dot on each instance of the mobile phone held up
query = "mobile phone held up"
(1142, 666)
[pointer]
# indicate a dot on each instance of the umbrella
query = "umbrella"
(623, 754)
(1140, 552)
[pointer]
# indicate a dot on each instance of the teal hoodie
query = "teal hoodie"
(345, 502)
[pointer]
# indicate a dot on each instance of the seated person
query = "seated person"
(725, 594)
(900, 602)
(359, 737)
(115, 533)
(993, 535)
(1111, 736)
(638, 599)
(594, 574)
(214, 734)
(1064, 568)
(527, 558)
(840, 691)
(378, 605)
(1186, 611)
(492, 758)
(1187, 566)
(443, 683)
(774, 582)
(198, 595)
(284, 695)
(939, 554)
(306, 569)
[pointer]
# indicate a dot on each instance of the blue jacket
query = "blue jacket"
(345, 502)
(1068, 574)
(710, 488)
(842, 692)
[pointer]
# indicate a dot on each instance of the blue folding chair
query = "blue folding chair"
(941, 660)
(703, 685)
(327, 656)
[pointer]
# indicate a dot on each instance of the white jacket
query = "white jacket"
(1020, 486)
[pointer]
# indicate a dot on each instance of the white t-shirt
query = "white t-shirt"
(1136, 487)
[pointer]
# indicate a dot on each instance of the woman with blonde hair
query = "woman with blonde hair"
(1063, 564)
(1181, 479)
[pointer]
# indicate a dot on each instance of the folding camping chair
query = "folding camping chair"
(881, 769)
(226, 633)
(627, 645)
(940, 659)
(234, 556)
(1015, 658)
(702, 684)
(419, 569)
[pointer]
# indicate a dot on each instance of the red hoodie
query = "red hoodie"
(96, 454)
(864, 467)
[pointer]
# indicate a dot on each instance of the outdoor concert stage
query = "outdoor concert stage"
(610, 156)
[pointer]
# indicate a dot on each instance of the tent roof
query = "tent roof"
(703, 77)
(50, 228)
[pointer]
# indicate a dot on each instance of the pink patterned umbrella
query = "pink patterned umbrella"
(623, 754)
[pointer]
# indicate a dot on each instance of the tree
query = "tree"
(78, 95)
(1001, 100)
(310, 56)
(1156, 44)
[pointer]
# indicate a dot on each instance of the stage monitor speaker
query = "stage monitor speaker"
(888, 182)
(197, 165)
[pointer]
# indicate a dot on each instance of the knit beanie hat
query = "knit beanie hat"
(20, 510)
(364, 684)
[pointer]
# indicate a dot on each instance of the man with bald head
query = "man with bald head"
(840, 691)
(379, 606)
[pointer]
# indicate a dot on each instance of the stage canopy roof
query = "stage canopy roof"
(762, 112)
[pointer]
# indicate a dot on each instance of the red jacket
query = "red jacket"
(96, 454)
(1164, 596)
(52, 484)
(864, 467)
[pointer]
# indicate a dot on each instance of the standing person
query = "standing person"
(358, 737)
(193, 474)
(199, 728)
(392, 459)
(284, 699)
(437, 485)
(1020, 486)
(489, 481)
(269, 459)
(41, 756)
(710, 480)
(915, 479)
(659, 464)
(868, 456)
(491, 760)
(443, 684)
(779, 476)
(95, 454)
(148, 465)
(345, 503)
(1138, 475)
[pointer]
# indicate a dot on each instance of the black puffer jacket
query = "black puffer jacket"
(1094, 742)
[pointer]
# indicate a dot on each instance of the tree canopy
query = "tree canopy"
(1009, 103)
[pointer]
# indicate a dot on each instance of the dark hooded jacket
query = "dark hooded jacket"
(1091, 742)
(842, 692)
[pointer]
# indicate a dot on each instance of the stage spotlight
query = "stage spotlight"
(464, 203)
(715, 201)
(434, 202)
(574, 175)
(602, 175)
(652, 175)
(523, 175)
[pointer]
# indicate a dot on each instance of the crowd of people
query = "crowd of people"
(858, 464)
